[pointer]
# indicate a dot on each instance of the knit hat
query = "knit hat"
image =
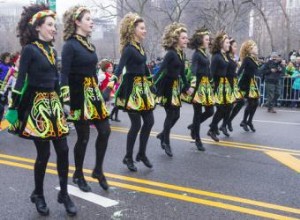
(274, 55)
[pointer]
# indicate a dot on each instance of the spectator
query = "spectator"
(272, 72)
(5, 64)
(151, 65)
(157, 65)
(295, 87)
(287, 84)
(297, 62)
(293, 57)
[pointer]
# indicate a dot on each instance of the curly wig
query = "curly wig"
(196, 40)
(127, 27)
(69, 19)
(246, 49)
(231, 41)
(171, 35)
(218, 41)
(25, 31)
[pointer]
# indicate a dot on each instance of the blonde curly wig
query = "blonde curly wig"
(171, 35)
(70, 16)
(246, 49)
(218, 42)
(127, 28)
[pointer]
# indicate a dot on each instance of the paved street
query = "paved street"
(246, 176)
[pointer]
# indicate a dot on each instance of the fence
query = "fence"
(288, 96)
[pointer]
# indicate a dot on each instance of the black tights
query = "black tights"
(115, 112)
(222, 111)
(200, 117)
(1, 112)
(172, 116)
(62, 161)
(250, 110)
(236, 109)
(227, 115)
(83, 134)
(135, 118)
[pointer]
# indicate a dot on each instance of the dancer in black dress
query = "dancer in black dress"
(79, 85)
(168, 83)
(202, 97)
(247, 83)
(222, 88)
(134, 95)
(36, 112)
(233, 80)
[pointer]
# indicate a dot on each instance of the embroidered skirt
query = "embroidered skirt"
(203, 92)
(40, 116)
(134, 94)
(223, 92)
(168, 93)
(253, 92)
(86, 101)
(236, 90)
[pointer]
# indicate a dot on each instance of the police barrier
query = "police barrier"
(288, 96)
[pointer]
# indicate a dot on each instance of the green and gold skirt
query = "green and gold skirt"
(224, 93)
(169, 93)
(86, 101)
(134, 94)
(253, 92)
(236, 90)
(203, 92)
(40, 116)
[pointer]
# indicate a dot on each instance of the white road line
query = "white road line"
(277, 122)
(91, 197)
(290, 111)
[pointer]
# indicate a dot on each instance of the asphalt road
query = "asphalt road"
(246, 176)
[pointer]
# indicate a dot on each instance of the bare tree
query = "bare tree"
(173, 9)
(287, 26)
(257, 5)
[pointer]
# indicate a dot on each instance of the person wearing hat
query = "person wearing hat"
(272, 72)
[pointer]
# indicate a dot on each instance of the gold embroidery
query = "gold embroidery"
(225, 57)
(180, 54)
(139, 48)
(202, 51)
(51, 56)
(254, 60)
(85, 43)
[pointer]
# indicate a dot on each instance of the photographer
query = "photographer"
(272, 71)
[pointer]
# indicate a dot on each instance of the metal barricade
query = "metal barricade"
(289, 97)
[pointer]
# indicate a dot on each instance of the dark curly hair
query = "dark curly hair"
(25, 31)
(231, 41)
(4, 55)
(197, 39)
(218, 42)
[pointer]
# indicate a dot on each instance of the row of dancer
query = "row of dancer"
(215, 84)
(36, 112)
